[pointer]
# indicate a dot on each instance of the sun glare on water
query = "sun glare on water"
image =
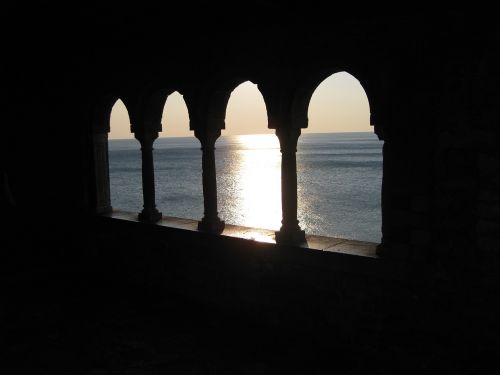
(257, 191)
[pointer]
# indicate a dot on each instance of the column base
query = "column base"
(150, 216)
(294, 236)
(214, 225)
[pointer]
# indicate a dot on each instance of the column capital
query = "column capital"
(146, 139)
(207, 136)
(288, 139)
(145, 126)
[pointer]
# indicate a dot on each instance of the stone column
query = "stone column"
(290, 231)
(211, 221)
(101, 168)
(149, 212)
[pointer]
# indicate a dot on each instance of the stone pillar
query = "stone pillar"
(290, 232)
(384, 248)
(101, 168)
(149, 212)
(211, 221)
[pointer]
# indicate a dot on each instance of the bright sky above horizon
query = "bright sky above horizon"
(339, 104)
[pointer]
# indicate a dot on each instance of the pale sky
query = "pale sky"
(339, 104)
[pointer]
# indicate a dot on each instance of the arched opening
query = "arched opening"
(178, 163)
(124, 162)
(339, 163)
(248, 163)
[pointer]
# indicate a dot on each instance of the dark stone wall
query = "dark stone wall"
(131, 297)
(364, 314)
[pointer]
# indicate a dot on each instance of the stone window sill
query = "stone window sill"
(329, 252)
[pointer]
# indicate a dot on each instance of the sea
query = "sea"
(339, 181)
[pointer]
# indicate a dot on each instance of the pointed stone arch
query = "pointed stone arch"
(308, 85)
(168, 111)
(207, 103)
(345, 189)
(100, 129)
(102, 113)
(152, 105)
(255, 106)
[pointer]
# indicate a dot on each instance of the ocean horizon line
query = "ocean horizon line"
(236, 135)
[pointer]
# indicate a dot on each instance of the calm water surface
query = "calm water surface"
(339, 181)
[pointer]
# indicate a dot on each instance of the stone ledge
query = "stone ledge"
(318, 251)
(313, 242)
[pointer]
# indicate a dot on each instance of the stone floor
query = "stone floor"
(71, 323)
(68, 324)
(60, 317)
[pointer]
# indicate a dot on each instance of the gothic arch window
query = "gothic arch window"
(178, 163)
(248, 162)
(124, 162)
(339, 163)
